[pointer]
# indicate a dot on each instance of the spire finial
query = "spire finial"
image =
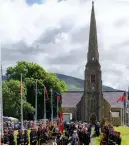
(93, 5)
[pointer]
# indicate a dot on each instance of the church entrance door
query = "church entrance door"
(92, 119)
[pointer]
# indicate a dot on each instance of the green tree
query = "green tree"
(12, 99)
(32, 72)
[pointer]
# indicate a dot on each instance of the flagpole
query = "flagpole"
(51, 106)
(21, 104)
(44, 107)
(36, 102)
(57, 109)
(1, 97)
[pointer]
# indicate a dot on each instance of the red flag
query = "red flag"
(45, 90)
(61, 125)
(58, 98)
(119, 99)
(122, 98)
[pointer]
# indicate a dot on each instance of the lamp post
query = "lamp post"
(127, 118)
(1, 97)
(44, 106)
(36, 102)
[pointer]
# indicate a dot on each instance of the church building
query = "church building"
(92, 104)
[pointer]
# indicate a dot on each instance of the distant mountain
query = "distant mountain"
(75, 84)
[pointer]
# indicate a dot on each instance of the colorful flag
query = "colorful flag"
(60, 111)
(122, 98)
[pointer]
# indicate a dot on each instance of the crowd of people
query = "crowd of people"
(75, 133)
(110, 136)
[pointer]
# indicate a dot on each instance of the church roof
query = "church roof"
(71, 98)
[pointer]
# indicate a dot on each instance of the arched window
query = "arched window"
(92, 104)
(93, 78)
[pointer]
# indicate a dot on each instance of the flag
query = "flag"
(119, 99)
(58, 98)
(21, 85)
(60, 111)
(122, 98)
(45, 90)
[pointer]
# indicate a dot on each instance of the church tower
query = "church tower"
(93, 96)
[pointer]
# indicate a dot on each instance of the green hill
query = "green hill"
(75, 84)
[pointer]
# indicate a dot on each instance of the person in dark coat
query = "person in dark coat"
(86, 138)
(118, 138)
(20, 138)
(39, 136)
(6, 137)
(80, 135)
(11, 138)
(97, 129)
(32, 138)
(26, 140)
(35, 137)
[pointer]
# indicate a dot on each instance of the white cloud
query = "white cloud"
(61, 30)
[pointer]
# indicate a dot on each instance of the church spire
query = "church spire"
(93, 44)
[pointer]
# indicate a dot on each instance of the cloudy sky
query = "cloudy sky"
(55, 35)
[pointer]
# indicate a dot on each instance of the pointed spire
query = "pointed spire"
(93, 44)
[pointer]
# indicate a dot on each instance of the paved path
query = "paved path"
(92, 138)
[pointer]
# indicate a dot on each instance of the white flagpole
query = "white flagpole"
(44, 107)
(57, 109)
(121, 117)
(21, 104)
(51, 106)
(36, 102)
(1, 97)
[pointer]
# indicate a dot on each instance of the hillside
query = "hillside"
(75, 84)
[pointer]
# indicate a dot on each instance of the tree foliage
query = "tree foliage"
(32, 72)
(12, 99)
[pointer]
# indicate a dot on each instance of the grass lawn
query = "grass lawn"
(124, 135)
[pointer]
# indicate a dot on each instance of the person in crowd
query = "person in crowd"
(75, 138)
(11, 137)
(20, 138)
(26, 139)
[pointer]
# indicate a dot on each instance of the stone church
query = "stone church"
(93, 104)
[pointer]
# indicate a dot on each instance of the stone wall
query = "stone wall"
(116, 121)
(106, 111)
